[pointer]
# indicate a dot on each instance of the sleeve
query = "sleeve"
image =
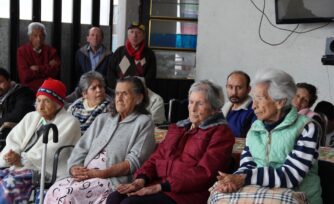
(23, 103)
(27, 75)
(294, 169)
(143, 147)
(82, 147)
(51, 70)
(148, 169)
(216, 157)
(69, 133)
(14, 139)
(158, 110)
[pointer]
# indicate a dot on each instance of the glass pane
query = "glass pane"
(175, 8)
(104, 12)
(116, 15)
(173, 34)
(47, 10)
(66, 11)
(4, 41)
(175, 64)
(26, 9)
(86, 12)
(4, 8)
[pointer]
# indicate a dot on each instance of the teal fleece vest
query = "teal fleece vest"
(272, 148)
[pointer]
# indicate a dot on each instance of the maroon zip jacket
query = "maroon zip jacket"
(188, 161)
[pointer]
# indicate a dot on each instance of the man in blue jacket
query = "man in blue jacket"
(92, 56)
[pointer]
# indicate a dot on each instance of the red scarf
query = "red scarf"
(137, 54)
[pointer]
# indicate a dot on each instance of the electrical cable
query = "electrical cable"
(263, 14)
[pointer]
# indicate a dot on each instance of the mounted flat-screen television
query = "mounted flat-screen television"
(304, 11)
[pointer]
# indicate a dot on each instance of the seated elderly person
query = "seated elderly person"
(110, 151)
(280, 152)
(23, 150)
(188, 160)
(94, 99)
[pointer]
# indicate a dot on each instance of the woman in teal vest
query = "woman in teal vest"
(281, 148)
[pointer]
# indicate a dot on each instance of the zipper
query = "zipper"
(268, 149)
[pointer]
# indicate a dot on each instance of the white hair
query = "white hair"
(214, 92)
(35, 26)
(280, 84)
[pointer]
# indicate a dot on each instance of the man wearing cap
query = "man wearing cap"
(133, 59)
(22, 156)
(93, 56)
(36, 61)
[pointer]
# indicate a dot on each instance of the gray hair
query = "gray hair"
(36, 26)
(281, 84)
(87, 78)
(214, 93)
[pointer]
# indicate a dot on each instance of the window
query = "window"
(173, 37)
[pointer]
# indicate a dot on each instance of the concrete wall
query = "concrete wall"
(228, 39)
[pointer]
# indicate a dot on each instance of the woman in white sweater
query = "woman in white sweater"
(22, 154)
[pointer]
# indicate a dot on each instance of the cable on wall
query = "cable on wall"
(292, 31)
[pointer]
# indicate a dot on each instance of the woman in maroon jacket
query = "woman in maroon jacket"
(187, 162)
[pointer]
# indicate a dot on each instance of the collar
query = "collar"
(244, 106)
(38, 51)
(98, 52)
(211, 121)
(289, 119)
(128, 118)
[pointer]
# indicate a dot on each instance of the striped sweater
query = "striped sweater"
(294, 169)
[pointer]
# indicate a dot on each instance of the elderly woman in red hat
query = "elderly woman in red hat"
(21, 158)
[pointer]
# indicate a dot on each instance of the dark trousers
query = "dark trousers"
(159, 198)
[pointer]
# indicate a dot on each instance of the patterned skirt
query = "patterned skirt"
(90, 191)
(15, 186)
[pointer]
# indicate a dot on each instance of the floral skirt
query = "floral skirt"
(90, 191)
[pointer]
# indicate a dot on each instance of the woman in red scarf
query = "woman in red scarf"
(133, 59)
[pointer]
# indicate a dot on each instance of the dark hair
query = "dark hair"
(243, 74)
(312, 90)
(138, 88)
(326, 108)
(4, 73)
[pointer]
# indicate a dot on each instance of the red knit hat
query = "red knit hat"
(53, 89)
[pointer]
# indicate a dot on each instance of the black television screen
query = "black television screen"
(304, 11)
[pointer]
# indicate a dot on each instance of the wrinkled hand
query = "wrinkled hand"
(13, 158)
(131, 187)
(149, 190)
(53, 62)
(34, 67)
(228, 183)
(80, 173)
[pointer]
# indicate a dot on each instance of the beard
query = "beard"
(236, 99)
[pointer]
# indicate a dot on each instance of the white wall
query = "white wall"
(228, 40)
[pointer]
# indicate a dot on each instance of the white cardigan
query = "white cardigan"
(68, 134)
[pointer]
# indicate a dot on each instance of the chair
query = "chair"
(178, 110)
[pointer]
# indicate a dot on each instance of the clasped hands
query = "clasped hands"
(228, 183)
(80, 173)
(12, 158)
(137, 187)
